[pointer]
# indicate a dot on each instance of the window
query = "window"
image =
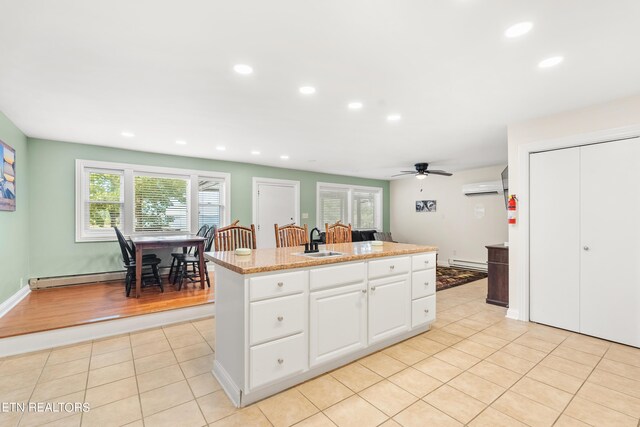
(360, 206)
(146, 200)
(160, 203)
(209, 203)
(105, 201)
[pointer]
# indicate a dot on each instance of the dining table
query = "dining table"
(142, 243)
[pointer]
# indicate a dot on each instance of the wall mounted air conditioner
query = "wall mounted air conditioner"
(480, 188)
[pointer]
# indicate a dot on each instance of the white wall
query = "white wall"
(457, 228)
(582, 124)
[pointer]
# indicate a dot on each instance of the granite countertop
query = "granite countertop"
(274, 259)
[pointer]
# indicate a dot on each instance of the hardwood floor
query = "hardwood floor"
(54, 308)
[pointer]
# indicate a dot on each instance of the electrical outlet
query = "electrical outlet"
(305, 215)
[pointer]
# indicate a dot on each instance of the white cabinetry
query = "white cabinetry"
(277, 329)
(337, 322)
(584, 250)
(389, 306)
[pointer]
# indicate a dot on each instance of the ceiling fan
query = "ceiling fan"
(422, 171)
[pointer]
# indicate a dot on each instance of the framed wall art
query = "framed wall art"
(7, 178)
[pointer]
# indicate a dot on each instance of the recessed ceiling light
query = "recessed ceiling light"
(519, 29)
(394, 117)
(356, 105)
(550, 62)
(255, 152)
(181, 142)
(127, 134)
(307, 90)
(243, 69)
(221, 148)
(284, 157)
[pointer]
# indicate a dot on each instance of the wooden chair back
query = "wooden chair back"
(291, 235)
(234, 236)
(337, 233)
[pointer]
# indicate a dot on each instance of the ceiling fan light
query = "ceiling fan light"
(421, 175)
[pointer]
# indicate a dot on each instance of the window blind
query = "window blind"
(364, 209)
(334, 205)
(105, 201)
(209, 202)
(160, 203)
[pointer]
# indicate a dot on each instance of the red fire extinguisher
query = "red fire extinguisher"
(511, 208)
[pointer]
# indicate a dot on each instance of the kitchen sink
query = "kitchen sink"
(321, 254)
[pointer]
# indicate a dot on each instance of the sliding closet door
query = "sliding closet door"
(554, 211)
(610, 241)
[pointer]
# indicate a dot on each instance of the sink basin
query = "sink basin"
(321, 254)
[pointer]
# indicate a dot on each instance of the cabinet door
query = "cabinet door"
(610, 250)
(338, 322)
(389, 307)
(554, 258)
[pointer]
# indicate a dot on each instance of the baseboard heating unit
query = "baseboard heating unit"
(469, 265)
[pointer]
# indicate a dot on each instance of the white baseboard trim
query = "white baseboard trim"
(513, 314)
(13, 300)
(64, 336)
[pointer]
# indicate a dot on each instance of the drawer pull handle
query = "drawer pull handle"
(280, 318)
(392, 267)
(280, 361)
(364, 291)
(426, 283)
(280, 284)
(426, 262)
(373, 288)
(426, 310)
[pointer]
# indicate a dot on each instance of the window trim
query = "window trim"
(129, 170)
(379, 210)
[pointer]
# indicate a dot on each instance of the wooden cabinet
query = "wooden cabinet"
(498, 262)
(389, 306)
(337, 322)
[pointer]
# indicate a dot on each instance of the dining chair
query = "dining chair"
(193, 261)
(291, 235)
(337, 233)
(149, 265)
(235, 236)
(178, 256)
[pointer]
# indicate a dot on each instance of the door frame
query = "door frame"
(519, 274)
(256, 181)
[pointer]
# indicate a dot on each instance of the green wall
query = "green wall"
(14, 226)
(53, 250)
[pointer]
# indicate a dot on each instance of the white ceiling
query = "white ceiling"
(84, 71)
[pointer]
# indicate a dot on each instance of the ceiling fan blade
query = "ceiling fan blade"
(408, 171)
(437, 172)
(405, 173)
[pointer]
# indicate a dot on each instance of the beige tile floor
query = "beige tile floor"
(474, 367)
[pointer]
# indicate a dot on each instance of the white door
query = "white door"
(610, 241)
(389, 307)
(554, 258)
(275, 204)
(338, 324)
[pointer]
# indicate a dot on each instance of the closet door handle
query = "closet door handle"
(586, 248)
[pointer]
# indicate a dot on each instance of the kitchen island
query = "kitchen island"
(283, 317)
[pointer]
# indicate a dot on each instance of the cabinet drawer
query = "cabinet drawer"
(423, 311)
(277, 359)
(423, 261)
(423, 283)
(276, 318)
(320, 278)
(389, 266)
(499, 255)
(275, 285)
